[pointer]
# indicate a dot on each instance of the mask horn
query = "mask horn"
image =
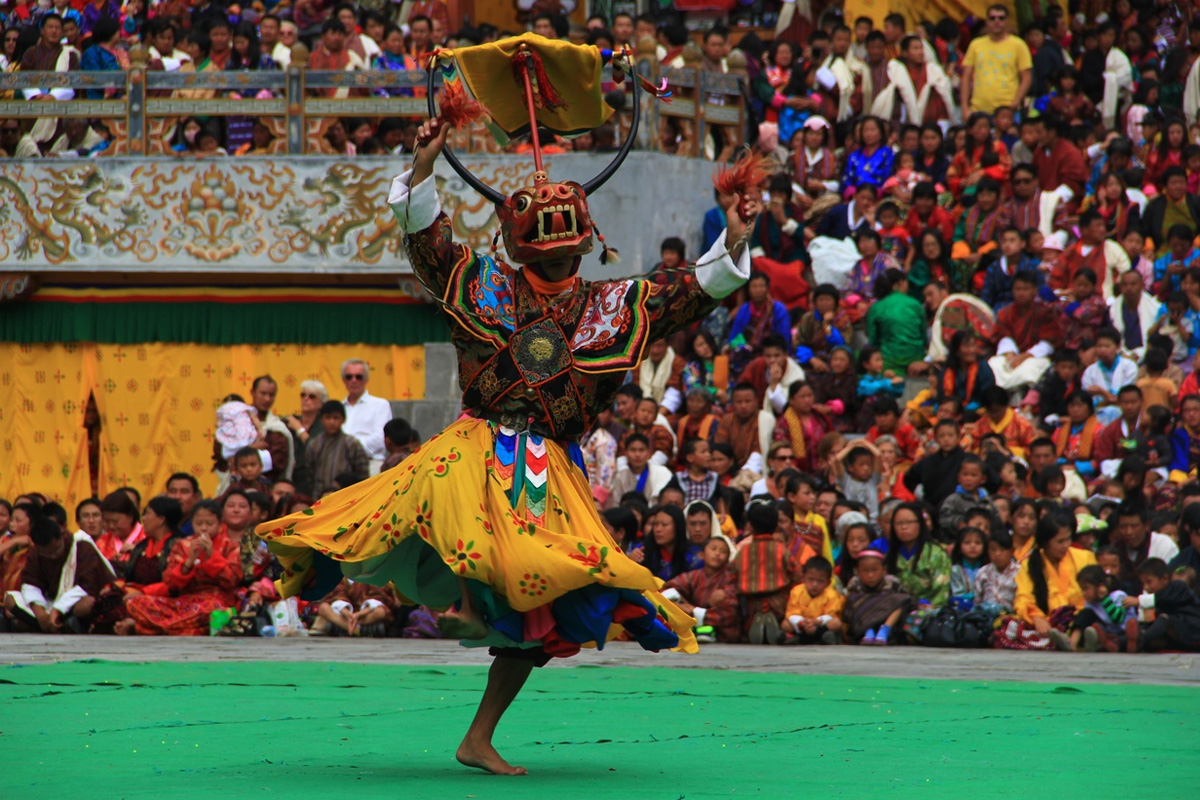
(489, 194)
(595, 183)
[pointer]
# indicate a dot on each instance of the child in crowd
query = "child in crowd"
(710, 594)
(968, 495)
(875, 380)
(996, 581)
(1176, 609)
(1105, 622)
(1049, 396)
(858, 538)
(1112, 371)
(1170, 268)
(333, 452)
(1178, 326)
(764, 577)
(814, 607)
(856, 471)
(875, 603)
(1156, 420)
(246, 471)
(886, 413)
(969, 556)
(894, 237)
(1084, 310)
(998, 279)
(1157, 388)
(801, 492)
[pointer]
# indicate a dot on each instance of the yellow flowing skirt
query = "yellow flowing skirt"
(513, 515)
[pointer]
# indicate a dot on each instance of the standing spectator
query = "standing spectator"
(392, 57)
(332, 54)
(333, 452)
(277, 439)
(269, 29)
(420, 39)
(220, 37)
(998, 69)
(105, 55)
(365, 413)
(49, 55)
(304, 426)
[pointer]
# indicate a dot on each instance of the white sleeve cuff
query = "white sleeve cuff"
(699, 614)
(268, 463)
(672, 594)
(1007, 345)
(63, 94)
(659, 458)
(1065, 193)
(831, 186)
(778, 398)
(717, 273)
(1094, 151)
(31, 93)
(790, 226)
(795, 619)
(415, 207)
(826, 78)
(672, 399)
(1042, 349)
(824, 619)
(68, 599)
(1146, 600)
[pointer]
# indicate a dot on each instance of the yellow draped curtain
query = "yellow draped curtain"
(157, 406)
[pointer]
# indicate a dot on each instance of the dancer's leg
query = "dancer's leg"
(505, 679)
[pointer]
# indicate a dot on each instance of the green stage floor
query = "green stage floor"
(104, 729)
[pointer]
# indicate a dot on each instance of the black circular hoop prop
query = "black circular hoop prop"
(588, 188)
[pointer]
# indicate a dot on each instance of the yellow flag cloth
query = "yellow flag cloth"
(570, 102)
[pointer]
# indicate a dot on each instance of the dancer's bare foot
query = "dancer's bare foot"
(482, 755)
(458, 625)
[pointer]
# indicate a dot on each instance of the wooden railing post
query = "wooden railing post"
(297, 123)
(135, 101)
(647, 66)
(693, 59)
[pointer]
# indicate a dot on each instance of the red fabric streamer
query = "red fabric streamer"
(545, 95)
(456, 109)
(742, 177)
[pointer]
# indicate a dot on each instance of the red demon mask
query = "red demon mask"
(546, 221)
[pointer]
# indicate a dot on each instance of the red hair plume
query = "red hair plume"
(456, 109)
(744, 176)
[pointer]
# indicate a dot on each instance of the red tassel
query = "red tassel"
(456, 109)
(742, 177)
(545, 95)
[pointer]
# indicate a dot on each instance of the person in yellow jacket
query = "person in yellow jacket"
(1047, 581)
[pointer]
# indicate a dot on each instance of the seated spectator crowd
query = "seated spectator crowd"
(956, 403)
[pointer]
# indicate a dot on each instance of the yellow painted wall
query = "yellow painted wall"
(157, 404)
